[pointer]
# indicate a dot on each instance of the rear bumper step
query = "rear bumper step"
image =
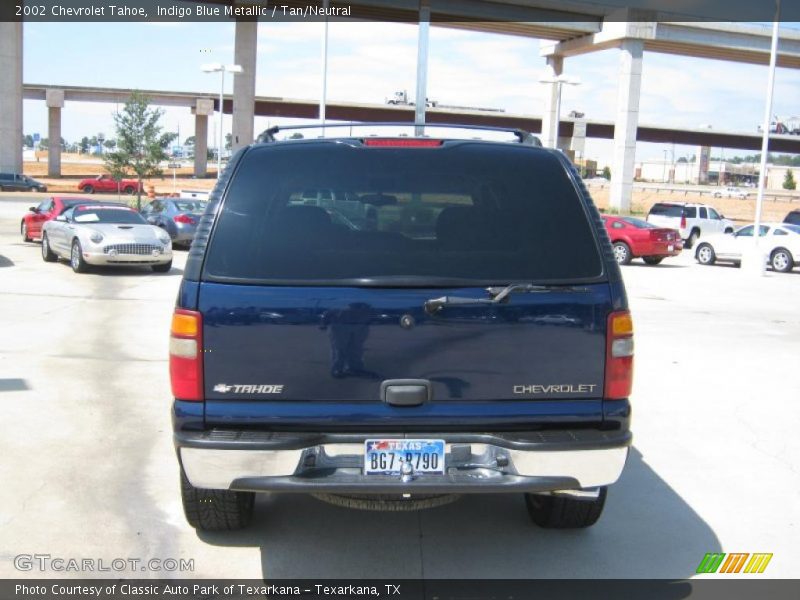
(475, 463)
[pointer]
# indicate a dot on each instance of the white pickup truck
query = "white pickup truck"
(692, 220)
(730, 192)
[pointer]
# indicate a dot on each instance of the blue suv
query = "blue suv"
(449, 319)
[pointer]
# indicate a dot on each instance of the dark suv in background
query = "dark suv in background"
(793, 217)
(15, 182)
(451, 321)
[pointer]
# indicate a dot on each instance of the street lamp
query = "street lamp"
(559, 81)
(221, 69)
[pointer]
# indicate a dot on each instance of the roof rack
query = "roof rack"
(524, 137)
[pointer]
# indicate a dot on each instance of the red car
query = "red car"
(31, 225)
(104, 183)
(633, 238)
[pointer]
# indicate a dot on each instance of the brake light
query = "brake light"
(186, 355)
(619, 356)
(183, 219)
(683, 220)
(402, 142)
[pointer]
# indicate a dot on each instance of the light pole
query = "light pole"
(221, 69)
(559, 81)
(666, 179)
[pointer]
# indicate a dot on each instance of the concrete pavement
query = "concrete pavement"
(88, 469)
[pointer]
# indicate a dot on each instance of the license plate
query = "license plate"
(387, 457)
(670, 248)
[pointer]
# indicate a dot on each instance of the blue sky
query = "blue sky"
(368, 61)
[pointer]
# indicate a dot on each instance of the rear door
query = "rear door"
(299, 308)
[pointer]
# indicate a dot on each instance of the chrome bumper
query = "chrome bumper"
(100, 258)
(471, 467)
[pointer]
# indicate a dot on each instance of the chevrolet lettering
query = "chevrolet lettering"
(582, 388)
(428, 339)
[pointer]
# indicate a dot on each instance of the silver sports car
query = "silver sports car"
(92, 234)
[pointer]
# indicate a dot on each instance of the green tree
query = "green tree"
(84, 144)
(110, 144)
(607, 173)
(228, 141)
(28, 142)
(296, 136)
(788, 181)
(189, 141)
(140, 144)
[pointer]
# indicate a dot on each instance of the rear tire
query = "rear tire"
(781, 260)
(129, 190)
(653, 260)
(557, 512)
(162, 268)
(23, 229)
(215, 510)
(622, 253)
(88, 189)
(47, 254)
(705, 254)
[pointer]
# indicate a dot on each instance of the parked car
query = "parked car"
(31, 225)
(730, 192)
(16, 182)
(692, 220)
(103, 234)
(779, 241)
(793, 217)
(633, 238)
(104, 183)
(454, 344)
(177, 217)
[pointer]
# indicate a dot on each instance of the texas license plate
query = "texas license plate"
(670, 248)
(387, 457)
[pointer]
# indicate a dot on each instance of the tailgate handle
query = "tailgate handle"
(406, 392)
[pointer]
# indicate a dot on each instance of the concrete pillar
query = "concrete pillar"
(10, 97)
(55, 102)
(244, 84)
(203, 107)
(421, 103)
(626, 123)
(554, 68)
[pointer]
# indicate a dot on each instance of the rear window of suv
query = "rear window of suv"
(468, 211)
(667, 210)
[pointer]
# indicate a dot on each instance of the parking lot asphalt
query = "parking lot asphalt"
(88, 469)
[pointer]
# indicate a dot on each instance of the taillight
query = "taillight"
(683, 221)
(619, 356)
(402, 142)
(186, 355)
(183, 219)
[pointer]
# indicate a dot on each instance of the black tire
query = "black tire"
(216, 510)
(162, 268)
(622, 253)
(781, 260)
(692, 240)
(559, 512)
(129, 190)
(76, 258)
(653, 260)
(88, 189)
(47, 254)
(705, 254)
(23, 230)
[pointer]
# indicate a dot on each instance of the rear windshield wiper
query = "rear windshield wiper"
(497, 295)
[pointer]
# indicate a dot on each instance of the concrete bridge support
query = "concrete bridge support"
(202, 108)
(244, 84)
(11, 97)
(55, 102)
(626, 123)
(554, 69)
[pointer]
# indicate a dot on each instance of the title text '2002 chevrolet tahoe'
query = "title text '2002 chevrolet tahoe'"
(450, 321)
